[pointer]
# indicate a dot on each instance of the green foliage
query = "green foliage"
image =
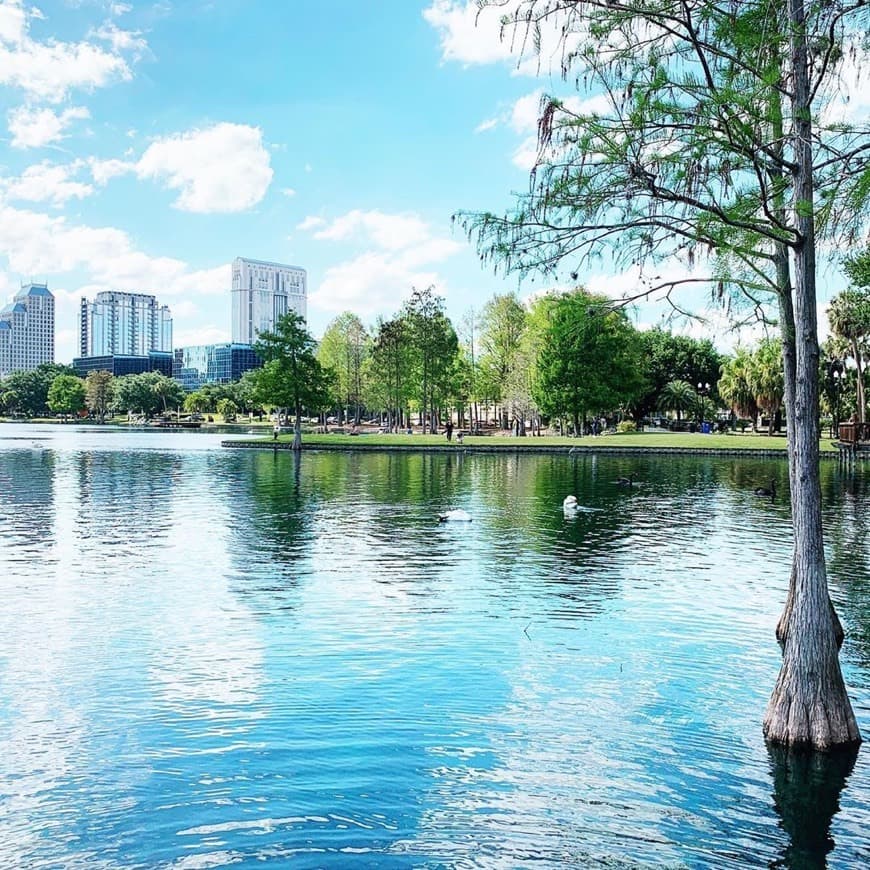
(147, 394)
(66, 395)
(434, 346)
(678, 396)
(503, 323)
(227, 408)
(626, 426)
(667, 357)
(735, 384)
(99, 389)
(753, 380)
(390, 364)
(344, 348)
(25, 393)
(291, 376)
(589, 360)
(849, 317)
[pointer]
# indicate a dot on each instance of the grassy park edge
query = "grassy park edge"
(641, 441)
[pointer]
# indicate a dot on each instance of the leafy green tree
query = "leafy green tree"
(148, 394)
(503, 322)
(678, 396)
(66, 395)
(27, 391)
(169, 391)
(434, 346)
(291, 376)
(711, 139)
(197, 402)
(228, 409)
(391, 359)
(243, 392)
(98, 393)
(667, 357)
(343, 349)
(590, 359)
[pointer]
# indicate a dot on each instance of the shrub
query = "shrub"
(626, 426)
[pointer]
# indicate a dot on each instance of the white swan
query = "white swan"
(457, 515)
(571, 507)
(570, 504)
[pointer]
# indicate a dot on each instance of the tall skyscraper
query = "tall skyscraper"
(27, 330)
(131, 324)
(262, 292)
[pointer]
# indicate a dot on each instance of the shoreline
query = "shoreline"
(561, 450)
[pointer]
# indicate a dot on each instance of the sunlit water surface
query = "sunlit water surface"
(214, 657)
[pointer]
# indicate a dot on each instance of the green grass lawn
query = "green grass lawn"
(640, 440)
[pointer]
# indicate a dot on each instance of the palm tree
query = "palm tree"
(734, 385)
(849, 317)
(678, 396)
(766, 378)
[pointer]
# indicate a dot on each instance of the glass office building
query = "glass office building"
(212, 364)
(121, 364)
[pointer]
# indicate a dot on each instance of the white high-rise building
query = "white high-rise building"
(27, 330)
(262, 292)
(129, 324)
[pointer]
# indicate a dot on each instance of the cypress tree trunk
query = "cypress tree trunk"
(297, 428)
(809, 705)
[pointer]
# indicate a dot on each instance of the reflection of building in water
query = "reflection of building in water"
(27, 330)
(27, 481)
(212, 364)
(126, 497)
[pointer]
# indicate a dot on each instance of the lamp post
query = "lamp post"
(703, 391)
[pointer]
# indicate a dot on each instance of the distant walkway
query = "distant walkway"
(510, 446)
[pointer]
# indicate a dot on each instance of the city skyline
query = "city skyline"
(136, 159)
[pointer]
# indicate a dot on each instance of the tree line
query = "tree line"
(561, 361)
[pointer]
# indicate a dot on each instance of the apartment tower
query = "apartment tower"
(124, 324)
(27, 330)
(261, 293)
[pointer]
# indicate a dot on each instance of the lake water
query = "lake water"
(214, 658)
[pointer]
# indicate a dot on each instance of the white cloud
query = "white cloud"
(47, 182)
(310, 222)
(391, 231)
(50, 70)
(405, 251)
(104, 171)
(34, 128)
(849, 96)
(368, 284)
(288, 191)
(209, 334)
(13, 22)
(469, 35)
(488, 124)
(473, 36)
(121, 40)
(39, 244)
(525, 112)
(223, 168)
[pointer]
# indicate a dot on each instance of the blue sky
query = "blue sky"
(148, 144)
